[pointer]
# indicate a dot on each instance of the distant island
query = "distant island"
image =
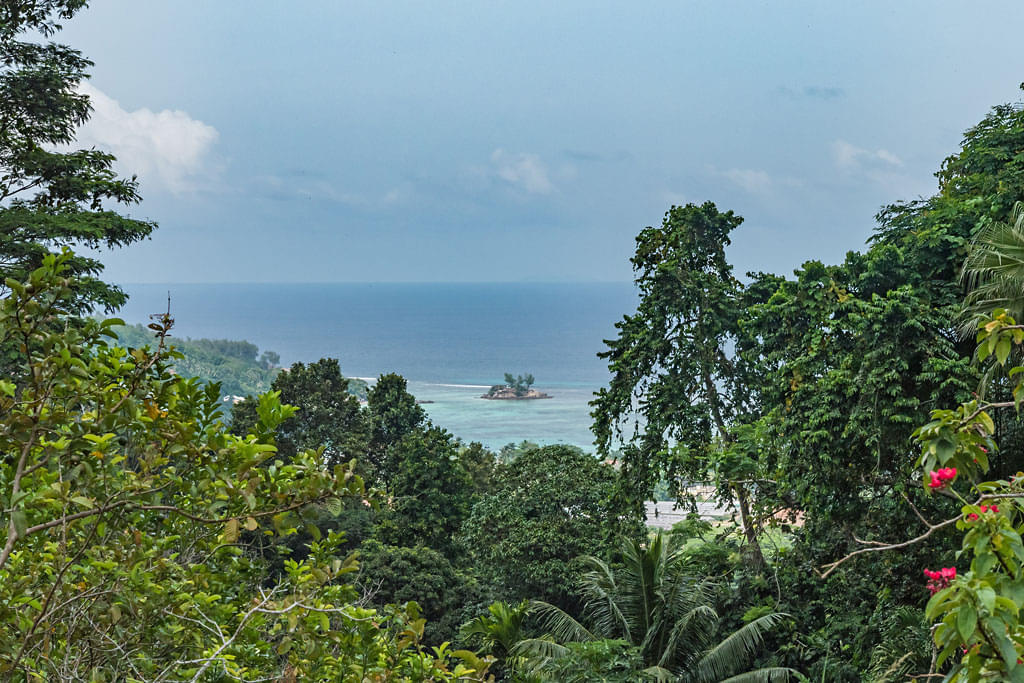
(237, 365)
(514, 389)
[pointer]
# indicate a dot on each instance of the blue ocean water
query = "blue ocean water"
(451, 341)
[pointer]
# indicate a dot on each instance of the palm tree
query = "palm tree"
(654, 604)
(994, 272)
(498, 631)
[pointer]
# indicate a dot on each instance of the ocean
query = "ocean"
(450, 341)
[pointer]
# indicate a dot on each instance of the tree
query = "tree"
(480, 465)
(674, 367)
(520, 385)
(51, 197)
(431, 493)
(651, 602)
(547, 508)
(269, 360)
(848, 360)
(499, 632)
(122, 555)
(994, 271)
(328, 415)
(394, 415)
(396, 575)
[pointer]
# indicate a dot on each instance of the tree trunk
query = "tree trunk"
(750, 530)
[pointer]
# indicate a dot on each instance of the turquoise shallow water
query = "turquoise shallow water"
(451, 341)
(563, 418)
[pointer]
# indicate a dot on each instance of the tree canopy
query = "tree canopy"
(327, 414)
(547, 508)
(123, 553)
(51, 195)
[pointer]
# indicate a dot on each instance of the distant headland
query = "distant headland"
(514, 389)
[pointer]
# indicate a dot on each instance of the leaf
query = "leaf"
(966, 622)
(945, 448)
(83, 501)
(230, 534)
(986, 422)
(987, 598)
(20, 521)
(251, 524)
(997, 630)
(1003, 350)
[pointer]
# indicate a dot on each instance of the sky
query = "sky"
(380, 141)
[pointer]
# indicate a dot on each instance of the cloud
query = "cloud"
(749, 179)
(756, 181)
(166, 148)
(523, 171)
(851, 157)
(296, 186)
(817, 92)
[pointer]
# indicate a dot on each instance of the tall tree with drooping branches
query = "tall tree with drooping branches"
(51, 194)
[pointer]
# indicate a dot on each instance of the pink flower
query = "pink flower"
(937, 580)
(941, 477)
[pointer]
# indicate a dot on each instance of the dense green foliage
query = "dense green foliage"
(314, 538)
(420, 574)
(394, 415)
(651, 602)
(51, 196)
(232, 364)
(807, 391)
(328, 415)
(547, 508)
(123, 554)
(673, 353)
(431, 492)
(238, 366)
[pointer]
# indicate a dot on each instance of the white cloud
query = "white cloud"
(849, 156)
(749, 179)
(523, 171)
(167, 148)
(757, 181)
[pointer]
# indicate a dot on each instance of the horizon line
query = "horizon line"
(386, 282)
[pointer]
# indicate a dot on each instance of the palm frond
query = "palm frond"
(773, 674)
(538, 651)
(736, 649)
(499, 629)
(993, 271)
(558, 624)
(602, 600)
(691, 633)
(659, 674)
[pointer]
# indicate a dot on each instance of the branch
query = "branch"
(829, 568)
(227, 643)
(916, 511)
(986, 406)
(932, 528)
